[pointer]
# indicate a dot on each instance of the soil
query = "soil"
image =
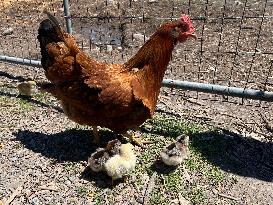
(233, 51)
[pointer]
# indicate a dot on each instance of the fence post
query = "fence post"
(67, 16)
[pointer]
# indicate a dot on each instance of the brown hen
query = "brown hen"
(116, 96)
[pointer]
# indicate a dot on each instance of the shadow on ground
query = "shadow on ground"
(231, 152)
(71, 145)
(100, 179)
(14, 77)
(236, 154)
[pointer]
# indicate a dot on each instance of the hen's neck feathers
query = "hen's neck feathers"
(156, 52)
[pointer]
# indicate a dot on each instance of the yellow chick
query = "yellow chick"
(27, 88)
(176, 152)
(98, 159)
(121, 164)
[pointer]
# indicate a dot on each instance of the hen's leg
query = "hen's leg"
(96, 139)
(135, 138)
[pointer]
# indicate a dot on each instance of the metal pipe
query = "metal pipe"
(21, 61)
(185, 85)
(219, 89)
(67, 16)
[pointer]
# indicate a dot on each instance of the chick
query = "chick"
(27, 88)
(176, 152)
(113, 147)
(121, 164)
(98, 159)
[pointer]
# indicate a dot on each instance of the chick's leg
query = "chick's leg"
(136, 139)
(96, 139)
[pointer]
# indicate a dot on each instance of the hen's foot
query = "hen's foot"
(136, 139)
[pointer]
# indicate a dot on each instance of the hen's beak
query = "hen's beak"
(193, 35)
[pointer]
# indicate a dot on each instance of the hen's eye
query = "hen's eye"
(183, 27)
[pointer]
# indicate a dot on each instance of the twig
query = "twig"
(165, 97)
(228, 197)
(231, 116)
(49, 188)
(268, 126)
(186, 175)
(13, 195)
(204, 117)
(164, 103)
(194, 101)
(252, 130)
(182, 200)
(149, 189)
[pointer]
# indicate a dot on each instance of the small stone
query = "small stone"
(140, 200)
(8, 31)
(109, 48)
(28, 192)
(139, 36)
(35, 200)
(112, 1)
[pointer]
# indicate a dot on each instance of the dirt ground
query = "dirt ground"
(38, 170)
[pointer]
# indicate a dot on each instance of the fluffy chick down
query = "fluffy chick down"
(121, 164)
(27, 88)
(176, 152)
(98, 159)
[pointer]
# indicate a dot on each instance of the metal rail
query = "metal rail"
(67, 16)
(185, 85)
(219, 89)
(21, 61)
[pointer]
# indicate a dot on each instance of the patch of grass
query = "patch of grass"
(70, 167)
(205, 146)
(6, 101)
(172, 181)
(81, 190)
(164, 129)
(25, 104)
(157, 197)
(18, 145)
(211, 173)
(196, 194)
(214, 175)
(40, 96)
(147, 158)
(169, 126)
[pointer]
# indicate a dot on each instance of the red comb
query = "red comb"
(186, 19)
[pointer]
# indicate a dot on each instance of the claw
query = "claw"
(136, 139)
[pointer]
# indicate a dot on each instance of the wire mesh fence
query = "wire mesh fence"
(233, 47)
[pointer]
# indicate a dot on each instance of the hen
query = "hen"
(116, 96)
